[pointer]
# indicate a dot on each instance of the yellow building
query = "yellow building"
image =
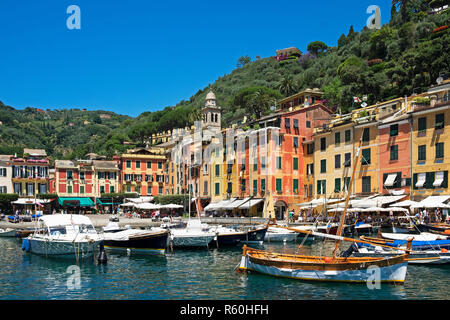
(430, 139)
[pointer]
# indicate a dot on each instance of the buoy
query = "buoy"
(102, 258)
(26, 245)
(447, 231)
(444, 250)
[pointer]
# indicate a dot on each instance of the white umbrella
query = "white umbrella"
(172, 206)
(128, 204)
(147, 206)
(406, 203)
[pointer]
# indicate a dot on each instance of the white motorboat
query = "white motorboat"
(424, 236)
(63, 235)
(415, 257)
(280, 235)
(195, 234)
(8, 232)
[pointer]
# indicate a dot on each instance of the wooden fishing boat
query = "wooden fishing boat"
(415, 257)
(439, 227)
(415, 244)
(328, 268)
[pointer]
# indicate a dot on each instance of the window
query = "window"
(440, 150)
(82, 175)
(149, 190)
(439, 124)
(295, 123)
(217, 188)
(243, 184)
(347, 159)
(255, 166)
(323, 144)
(128, 163)
(310, 169)
(394, 152)
(295, 185)
(337, 185)
(138, 164)
(337, 138)
(205, 187)
(347, 135)
(310, 148)
(3, 172)
(365, 160)
(255, 187)
(337, 161)
(42, 188)
(128, 188)
(217, 170)
(111, 189)
(366, 135)
(308, 124)
(69, 174)
(102, 189)
(366, 184)
(323, 166)
(346, 183)
(393, 130)
(263, 162)
(278, 185)
(230, 187)
(160, 165)
(295, 142)
(295, 164)
(149, 165)
(69, 189)
(321, 186)
(422, 124)
(230, 168)
(263, 185)
(287, 123)
(279, 141)
(422, 153)
(160, 189)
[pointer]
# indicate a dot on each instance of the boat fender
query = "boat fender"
(26, 246)
(443, 250)
(102, 258)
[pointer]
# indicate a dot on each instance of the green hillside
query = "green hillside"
(404, 56)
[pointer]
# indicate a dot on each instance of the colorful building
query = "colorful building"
(430, 138)
(6, 174)
(30, 174)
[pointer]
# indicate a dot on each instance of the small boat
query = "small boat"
(336, 267)
(194, 235)
(275, 234)
(415, 257)
(256, 235)
(424, 236)
(227, 236)
(63, 235)
(439, 227)
(153, 240)
(8, 232)
(415, 245)
(23, 233)
(329, 228)
(363, 228)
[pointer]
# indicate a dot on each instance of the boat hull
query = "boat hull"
(8, 233)
(256, 236)
(280, 237)
(145, 244)
(414, 258)
(385, 270)
(191, 241)
(62, 248)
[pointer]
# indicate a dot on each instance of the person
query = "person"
(291, 216)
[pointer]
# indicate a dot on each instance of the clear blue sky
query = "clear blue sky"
(143, 55)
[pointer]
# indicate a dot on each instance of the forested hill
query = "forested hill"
(406, 55)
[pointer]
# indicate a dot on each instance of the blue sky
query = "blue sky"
(143, 55)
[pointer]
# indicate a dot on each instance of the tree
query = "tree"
(317, 47)
(287, 86)
(403, 5)
(256, 100)
(242, 61)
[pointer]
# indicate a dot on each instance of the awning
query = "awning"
(390, 180)
(421, 180)
(76, 202)
(433, 202)
(250, 203)
(106, 202)
(147, 206)
(31, 201)
(406, 203)
(236, 203)
(439, 179)
(219, 205)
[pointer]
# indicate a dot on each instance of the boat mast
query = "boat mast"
(341, 224)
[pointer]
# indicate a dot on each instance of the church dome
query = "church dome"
(210, 96)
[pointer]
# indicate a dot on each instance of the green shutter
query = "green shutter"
(278, 185)
(365, 156)
(295, 164)
(337, 185)
(295, 185)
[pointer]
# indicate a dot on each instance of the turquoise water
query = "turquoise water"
(190, 274)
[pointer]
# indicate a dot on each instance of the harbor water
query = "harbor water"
(190, 274)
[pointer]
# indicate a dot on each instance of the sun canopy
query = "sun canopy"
(172, 206)
(76, 202)
(433, 202)
(221, 205)
(405, 203)
(250, 203)
(31, 201)
(54, 220)
(390, 180)
(235, 204)
(127, 204)
(147, 206)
